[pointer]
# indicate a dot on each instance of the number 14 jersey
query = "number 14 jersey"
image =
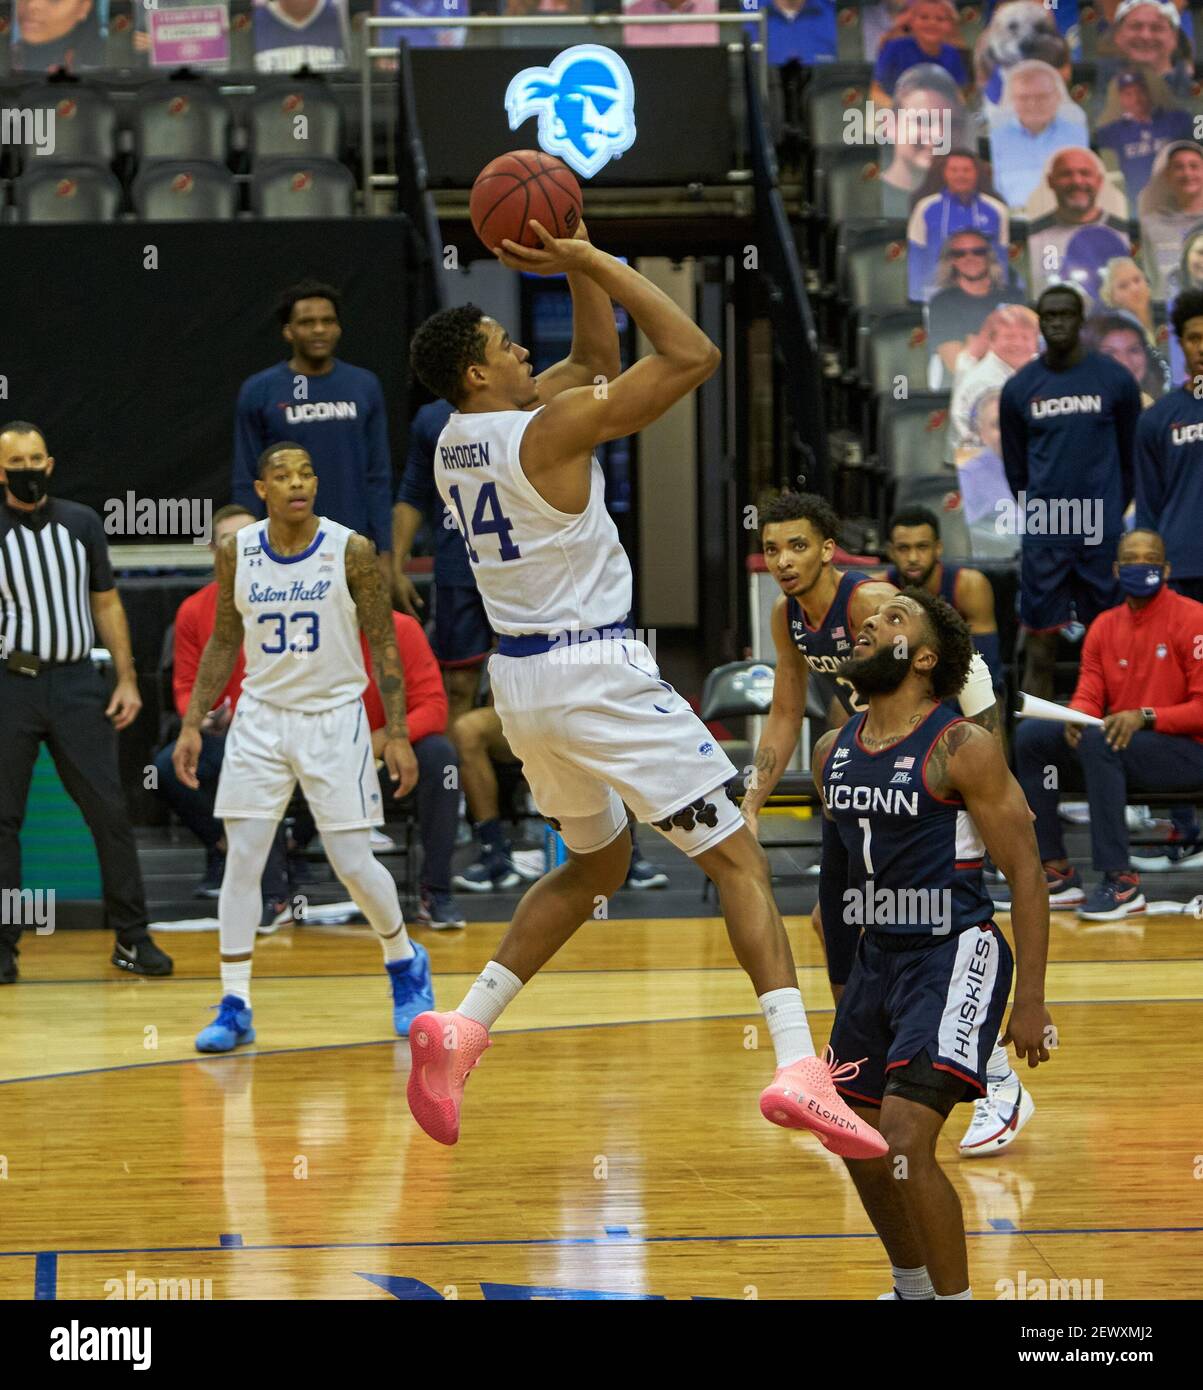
(539, 570)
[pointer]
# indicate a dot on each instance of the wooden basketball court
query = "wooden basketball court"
(612, 1142)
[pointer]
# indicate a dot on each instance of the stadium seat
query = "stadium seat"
(846, 183)
(834, 89)
(119, 53)
(85, 122)
(911, 434)
(294, 119)
(738, 690)
(242, 37)
(185, 191)
(849, 32)
(1090, 23)
(302, 188)
(181, 120)
(892, 346)
(941, 495)
(971, 21)
(51, 192)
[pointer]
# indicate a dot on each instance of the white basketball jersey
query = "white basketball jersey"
(300, 622)
(538, 569)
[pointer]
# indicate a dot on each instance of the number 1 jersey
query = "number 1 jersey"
(539, 570)
(300, 624)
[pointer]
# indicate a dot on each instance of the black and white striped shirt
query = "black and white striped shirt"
(48, 569)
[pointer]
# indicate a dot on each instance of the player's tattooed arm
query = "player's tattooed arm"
(221, 650)
(817, 759)
(376, 620)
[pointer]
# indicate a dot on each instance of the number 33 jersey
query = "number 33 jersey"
(538, 569)
(300, 624)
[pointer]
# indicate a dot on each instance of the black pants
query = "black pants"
(64, 708)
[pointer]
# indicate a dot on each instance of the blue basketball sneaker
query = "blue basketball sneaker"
(413, 993)
(229, 1029)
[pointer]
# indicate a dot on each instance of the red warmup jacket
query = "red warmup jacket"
(425, 698)
(1146, 658)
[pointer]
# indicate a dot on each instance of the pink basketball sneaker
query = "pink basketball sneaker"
(444, 1049)
(803, 1096)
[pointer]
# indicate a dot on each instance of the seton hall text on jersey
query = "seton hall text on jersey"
(296, 593)
(465, 455)
(890, 801)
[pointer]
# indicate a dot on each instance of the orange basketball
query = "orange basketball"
(518, 186)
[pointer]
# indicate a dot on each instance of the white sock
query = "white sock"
(999, 1068)
(955, 1297)
(912, 1283)
(398, 947)
(491, 991)
(785, 1014)
(236, 979)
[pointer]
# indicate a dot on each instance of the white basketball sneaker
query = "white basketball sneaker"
(997, 1118)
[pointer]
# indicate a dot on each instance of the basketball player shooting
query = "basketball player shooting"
(581, 702)
(929, 983)
(294, 591)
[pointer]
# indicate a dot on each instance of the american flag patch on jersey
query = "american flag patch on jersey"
(904, 762)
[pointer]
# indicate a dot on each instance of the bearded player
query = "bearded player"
(927, 992)
(293, 592)
(813, 624)
(581, 702)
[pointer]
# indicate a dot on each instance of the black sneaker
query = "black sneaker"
(142, 957)
(215, 869)
(8, 963)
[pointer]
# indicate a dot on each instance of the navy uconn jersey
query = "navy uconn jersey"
(921, 850)
(949, 574)
(826, 647)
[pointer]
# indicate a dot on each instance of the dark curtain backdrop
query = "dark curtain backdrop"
(133, 373)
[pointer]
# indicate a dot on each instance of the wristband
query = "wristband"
(977, 694)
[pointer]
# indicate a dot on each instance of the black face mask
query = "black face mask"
(28, 485)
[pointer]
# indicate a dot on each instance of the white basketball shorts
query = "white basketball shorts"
(270, 749)
(595, 727)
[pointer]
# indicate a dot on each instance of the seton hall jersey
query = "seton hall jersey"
(826, 647)
(538, 570)
(300, 624)
(914, 860)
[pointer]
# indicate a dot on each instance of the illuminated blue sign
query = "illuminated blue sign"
(585, 102)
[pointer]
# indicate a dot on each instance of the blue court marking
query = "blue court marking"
(45, 1275)
(618, 1232)
(565, 1242)
(231, 1242)
(1000, 1223)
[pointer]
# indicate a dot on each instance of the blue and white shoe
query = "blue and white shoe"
(413, 993)
(492, 873)
(641, 874)
(230, 1029)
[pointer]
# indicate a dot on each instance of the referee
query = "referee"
(56, 591)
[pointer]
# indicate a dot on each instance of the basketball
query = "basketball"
(518, 186)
